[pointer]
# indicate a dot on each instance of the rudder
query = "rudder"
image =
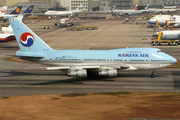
(27, 39)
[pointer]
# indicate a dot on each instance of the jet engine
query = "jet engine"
(109, 73)
(82, 73)
(56, 24)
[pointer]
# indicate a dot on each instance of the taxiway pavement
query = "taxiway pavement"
(18, 78)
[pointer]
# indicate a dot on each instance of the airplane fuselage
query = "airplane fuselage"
(161, 10)
(168, 35)
(58, 13)
(128, 58)
(162, 20)
(129, 12)
(84, 63)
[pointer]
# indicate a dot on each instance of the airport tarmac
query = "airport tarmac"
(18, 78)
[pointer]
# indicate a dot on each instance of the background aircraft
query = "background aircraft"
(129, 12)
(168, 35)
(15, 12)
(155, 10)
(28, 11)
(165, 20)
(7, 32)
(3, 10)
(82, 63)
(63, 13)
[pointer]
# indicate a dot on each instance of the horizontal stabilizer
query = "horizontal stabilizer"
(29, 54)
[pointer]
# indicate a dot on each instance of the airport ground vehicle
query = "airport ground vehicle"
(82, 28)
(65, 22)
(46, 27)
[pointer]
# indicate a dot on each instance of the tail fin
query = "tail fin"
(27, 40)
(113, 8)
(16, 10)
(178, 6)
(79, 9)
(135, 8)
(9, 28)
(3, 10)
(29, 9)
(146, 7)
(162, 5)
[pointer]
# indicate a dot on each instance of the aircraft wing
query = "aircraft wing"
(108, 66)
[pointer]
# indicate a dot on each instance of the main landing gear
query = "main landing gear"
(153, 74)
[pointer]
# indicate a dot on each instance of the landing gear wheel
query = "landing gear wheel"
(153, 75)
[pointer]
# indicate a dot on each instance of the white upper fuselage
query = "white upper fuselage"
(58, 13)
(129, 12)
(170, 7)
(160, 10)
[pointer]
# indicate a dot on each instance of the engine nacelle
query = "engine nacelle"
(72, 24)
(109, 73)
(78, 73)
(56, 24)
(103, 73)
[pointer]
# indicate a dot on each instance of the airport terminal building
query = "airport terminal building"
(90, 5)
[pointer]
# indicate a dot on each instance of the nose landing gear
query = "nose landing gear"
(153, 74)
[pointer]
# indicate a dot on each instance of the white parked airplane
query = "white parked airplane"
(63, 13)
(3, 10)
(7, 32)
(170, 7)
(168, 35)
(164, 10)
(83, 63)
(153, 10)
(165, 20)
(15, 12)
(129, 12)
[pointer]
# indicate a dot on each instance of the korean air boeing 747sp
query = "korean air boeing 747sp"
(83, 63)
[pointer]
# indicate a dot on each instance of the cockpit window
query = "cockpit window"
(159, 51)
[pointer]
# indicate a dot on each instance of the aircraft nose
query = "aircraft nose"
(149, 22)
(155, 36)
(174, 60)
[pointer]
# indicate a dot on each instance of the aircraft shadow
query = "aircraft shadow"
(71, 81)
(19, 73)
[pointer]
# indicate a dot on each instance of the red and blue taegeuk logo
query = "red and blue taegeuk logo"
(27, 39)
